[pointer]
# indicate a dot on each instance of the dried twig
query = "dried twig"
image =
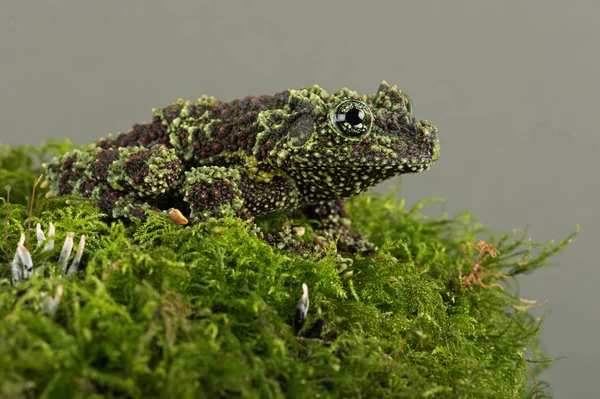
(7, 188)
(31, 207)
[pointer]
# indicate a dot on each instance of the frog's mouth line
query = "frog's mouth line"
(396, 168)
(358, 162)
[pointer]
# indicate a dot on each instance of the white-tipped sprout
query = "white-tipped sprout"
(50, 304)
(26, 261)
(301, 310)
(16, 267)
(22, 264)
(17, 273)
(65, 253)
(21, 242)
(39, 235)
(50, 245)
(75, 264)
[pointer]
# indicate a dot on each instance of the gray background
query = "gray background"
(512, 86)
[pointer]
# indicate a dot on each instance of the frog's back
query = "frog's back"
(203, 130)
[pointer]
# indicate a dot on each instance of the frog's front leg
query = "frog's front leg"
(331, 221)
(216, 191)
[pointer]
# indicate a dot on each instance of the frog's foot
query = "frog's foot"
(346, 241)
(122, 181)
(332, 223)
(22, 267)
(288, 239)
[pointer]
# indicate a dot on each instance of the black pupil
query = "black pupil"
(355, 116)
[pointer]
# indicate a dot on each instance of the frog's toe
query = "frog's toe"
(356, 243)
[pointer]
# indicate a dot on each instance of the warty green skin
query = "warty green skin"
(298, 149)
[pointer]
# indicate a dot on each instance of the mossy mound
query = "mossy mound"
(163, 310)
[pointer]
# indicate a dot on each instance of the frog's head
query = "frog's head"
(339, 145)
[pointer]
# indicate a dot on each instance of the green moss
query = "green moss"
(163, 310)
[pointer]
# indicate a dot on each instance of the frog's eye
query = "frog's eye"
(352, 119)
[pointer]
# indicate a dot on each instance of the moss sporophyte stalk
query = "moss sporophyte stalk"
(217, 260)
